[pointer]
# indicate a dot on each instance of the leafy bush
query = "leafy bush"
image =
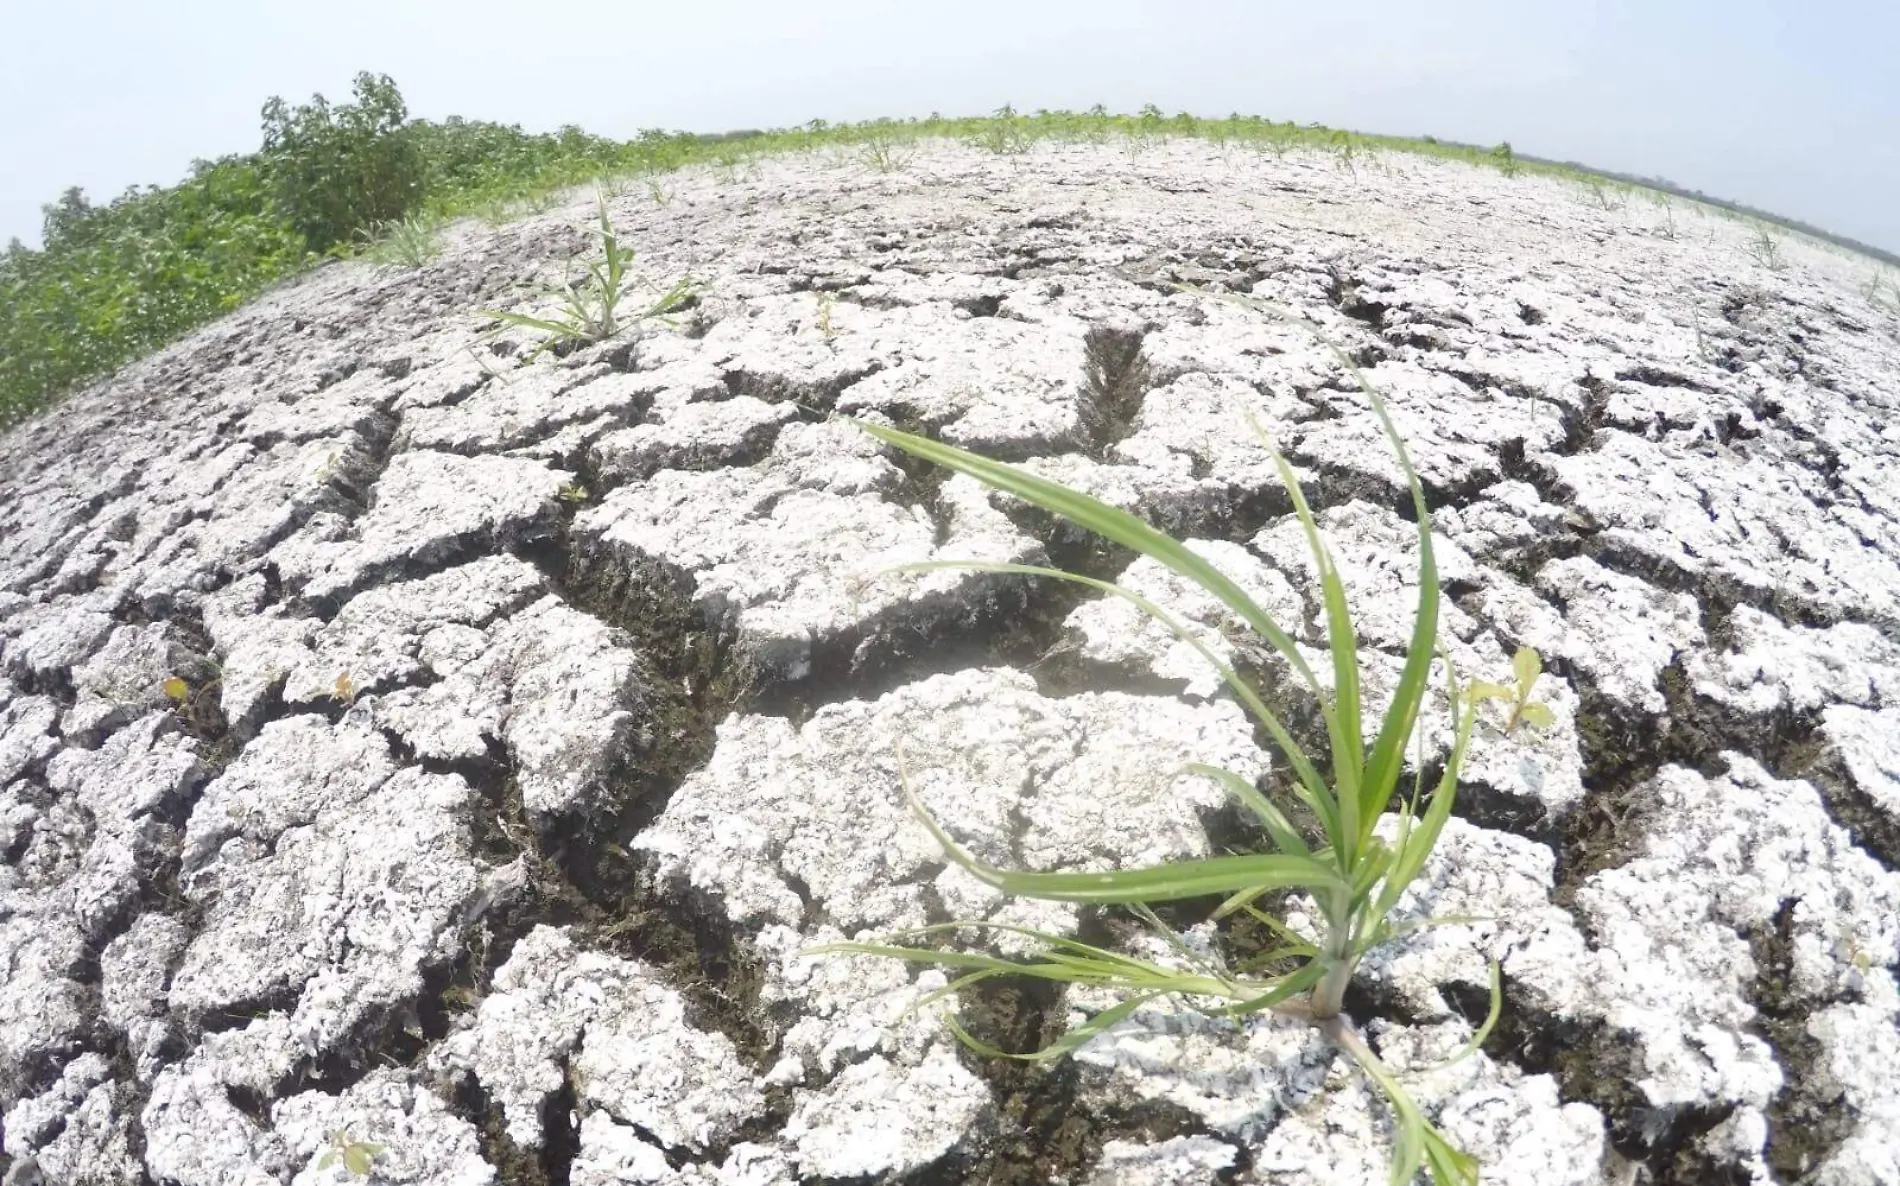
(341, 169)
(118, 280)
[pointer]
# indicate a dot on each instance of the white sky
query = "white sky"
(1793, 108)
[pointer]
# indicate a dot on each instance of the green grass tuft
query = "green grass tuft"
(1354, 875)
(408, 243)
(589, 307)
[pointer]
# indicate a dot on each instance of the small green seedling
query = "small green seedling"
(1526, 666)
(825, 301)
(1354, 871)
(591, 304)
(196, 706)
(356, 1157)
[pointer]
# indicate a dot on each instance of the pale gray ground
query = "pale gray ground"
(541, 716)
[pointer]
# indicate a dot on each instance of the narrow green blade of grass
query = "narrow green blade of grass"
(1419, 841)
(1291, 985)
(1286, 838)
(1342, 642)
(1382, 767)
(1490, 1019)
(535, 323)
(1312, 789)
(1068, 1043)
(1388, 752)
(1154, 883)
(1117, 526)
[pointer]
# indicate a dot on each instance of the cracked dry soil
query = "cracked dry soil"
(540, 715)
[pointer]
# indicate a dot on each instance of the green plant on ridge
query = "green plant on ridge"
(1765, 248)
(1506, 160)
(883, 152)
(1354, 876)
(406, 243)
(591, 304)
(340, 169)
(1005, 133)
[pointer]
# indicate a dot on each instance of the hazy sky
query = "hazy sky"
(1791, 107)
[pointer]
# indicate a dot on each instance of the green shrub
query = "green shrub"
(342, 169)
(115, 281)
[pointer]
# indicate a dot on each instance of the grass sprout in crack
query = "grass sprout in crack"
(1354, 875)
(410, 243)
(590, 304)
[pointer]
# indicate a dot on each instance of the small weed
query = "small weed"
(494, 210)
(1345, 152)
(590, 304)
(540, 201)
(198, 708)
(1279, 138)
(1765, 249)
(662, 197)
(883, 152)
(1872, 288)
(1005, 132)
(734, 164)
(825, 301)
(356, 1157)
(1355, 874)
(409, 243)
(343, 691)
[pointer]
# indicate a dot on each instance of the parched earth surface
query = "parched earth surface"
(539, 714)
